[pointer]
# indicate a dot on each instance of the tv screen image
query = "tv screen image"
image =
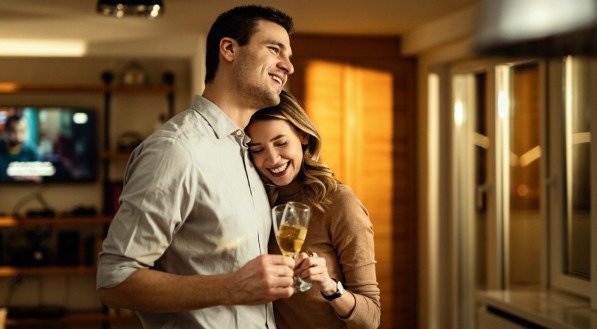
(47, 144)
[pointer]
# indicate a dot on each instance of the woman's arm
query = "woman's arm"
(351, 234)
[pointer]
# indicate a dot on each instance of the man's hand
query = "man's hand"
(262, 280)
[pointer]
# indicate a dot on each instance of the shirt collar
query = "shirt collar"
(217, 119)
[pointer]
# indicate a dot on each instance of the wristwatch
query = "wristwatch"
(338, 293)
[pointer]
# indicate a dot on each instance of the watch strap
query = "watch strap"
(335, 295)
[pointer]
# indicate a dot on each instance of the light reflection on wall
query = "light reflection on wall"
(43, 48)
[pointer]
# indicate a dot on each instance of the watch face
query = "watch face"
(340, 289)
(338, 293)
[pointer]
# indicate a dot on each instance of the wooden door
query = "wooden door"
(360, 94)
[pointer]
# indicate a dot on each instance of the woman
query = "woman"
(285, 149)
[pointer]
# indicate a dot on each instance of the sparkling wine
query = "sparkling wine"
(290, 221)
(291, 238)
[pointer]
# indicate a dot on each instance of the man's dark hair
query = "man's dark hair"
(239, 24)
(12, 120)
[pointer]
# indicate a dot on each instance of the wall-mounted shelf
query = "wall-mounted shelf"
(10, 221)
(12, 271)
(71, 318)
(114, 155)
(106, 89)
(15, 88)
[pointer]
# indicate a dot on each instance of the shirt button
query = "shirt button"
(239, 133)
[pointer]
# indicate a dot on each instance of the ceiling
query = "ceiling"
(176, 32)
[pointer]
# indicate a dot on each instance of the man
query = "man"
(13, 148)
(187, 248)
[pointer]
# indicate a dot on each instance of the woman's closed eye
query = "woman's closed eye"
(255, 149)
(279, 143)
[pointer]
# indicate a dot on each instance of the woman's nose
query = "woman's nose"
(272, 156)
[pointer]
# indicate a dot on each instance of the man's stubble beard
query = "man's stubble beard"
(259, 95)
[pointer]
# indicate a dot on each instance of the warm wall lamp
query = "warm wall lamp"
(120, 8)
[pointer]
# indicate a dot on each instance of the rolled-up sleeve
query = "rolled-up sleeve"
(151, 209)
(192, 204)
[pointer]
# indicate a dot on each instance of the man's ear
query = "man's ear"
(228, 47)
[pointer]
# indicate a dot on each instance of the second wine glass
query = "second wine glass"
(291, 221)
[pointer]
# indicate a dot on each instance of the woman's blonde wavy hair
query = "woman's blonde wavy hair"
(318, 179)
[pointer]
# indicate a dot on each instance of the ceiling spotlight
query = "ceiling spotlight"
(140, 8)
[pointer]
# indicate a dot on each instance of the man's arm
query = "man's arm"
(263, 279)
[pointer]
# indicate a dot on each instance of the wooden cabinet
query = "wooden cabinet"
(55, 316)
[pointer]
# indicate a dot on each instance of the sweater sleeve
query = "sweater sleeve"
(352, 237)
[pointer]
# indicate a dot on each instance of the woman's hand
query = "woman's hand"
(313, 268)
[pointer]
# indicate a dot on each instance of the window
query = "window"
(521, 177)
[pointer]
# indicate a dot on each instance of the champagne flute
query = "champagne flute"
(290, 222)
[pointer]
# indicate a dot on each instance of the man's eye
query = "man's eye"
(275, 50)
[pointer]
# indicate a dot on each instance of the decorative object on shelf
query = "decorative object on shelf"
(134, 74)
(141, 8)
(45, 212)
(29, 247)
(128, 140)
(107, 77)
(46, 312)
(160, 121)
(82, 211)
(168, 80)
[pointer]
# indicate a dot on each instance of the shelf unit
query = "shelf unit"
(63, 221)
(107, 89)
(55, 223)
(72, 318)
(15, 88)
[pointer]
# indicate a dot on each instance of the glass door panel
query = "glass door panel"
(481, 156)
(523, 227)
(577, 227)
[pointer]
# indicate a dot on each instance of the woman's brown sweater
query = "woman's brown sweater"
(344, 237)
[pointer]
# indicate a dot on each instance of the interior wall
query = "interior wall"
(436, 46)
(360, 92)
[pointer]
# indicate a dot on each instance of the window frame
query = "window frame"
(557, 216)
(552, 249)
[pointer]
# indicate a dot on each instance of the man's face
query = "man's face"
(17, 133)
(263, 65)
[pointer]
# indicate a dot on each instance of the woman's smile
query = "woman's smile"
(279, 170)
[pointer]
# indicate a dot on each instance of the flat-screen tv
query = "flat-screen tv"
(47, 144)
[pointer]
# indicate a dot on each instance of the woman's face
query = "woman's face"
(276, 150)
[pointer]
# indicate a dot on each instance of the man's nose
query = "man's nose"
(286, 65)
